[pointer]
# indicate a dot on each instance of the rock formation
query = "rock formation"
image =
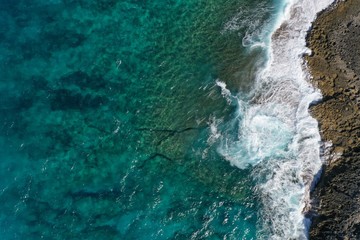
(335, 66)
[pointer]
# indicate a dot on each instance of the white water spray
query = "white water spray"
(276, 133)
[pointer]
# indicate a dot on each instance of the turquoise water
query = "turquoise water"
(109, 118)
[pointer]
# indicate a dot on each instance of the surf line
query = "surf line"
(277, 136)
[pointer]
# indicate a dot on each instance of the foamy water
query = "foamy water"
(276, 133)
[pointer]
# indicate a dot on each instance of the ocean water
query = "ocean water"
(164, 119)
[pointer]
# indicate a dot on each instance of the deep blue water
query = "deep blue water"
(108, 110)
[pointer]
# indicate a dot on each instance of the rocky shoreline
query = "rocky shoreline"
(335, 67)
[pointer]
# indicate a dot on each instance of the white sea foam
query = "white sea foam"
(225, 92)
(276, 133)
(253, 23)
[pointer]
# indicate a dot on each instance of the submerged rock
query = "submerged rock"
(63, 99)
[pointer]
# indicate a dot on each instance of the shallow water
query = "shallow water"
(119, 120)
(106, 115)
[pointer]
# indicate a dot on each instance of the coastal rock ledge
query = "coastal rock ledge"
(335, 66)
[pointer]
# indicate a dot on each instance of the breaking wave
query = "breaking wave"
(276, 135)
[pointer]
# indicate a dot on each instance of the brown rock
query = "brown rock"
(335, 66)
